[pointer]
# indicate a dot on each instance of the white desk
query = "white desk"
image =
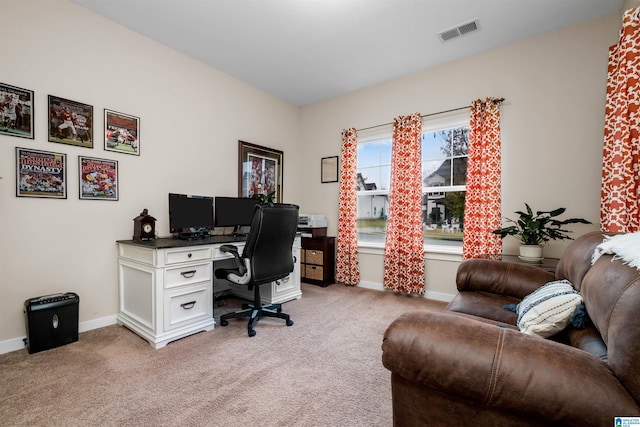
(166, 286)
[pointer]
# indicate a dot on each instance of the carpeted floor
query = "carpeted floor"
(325, 370)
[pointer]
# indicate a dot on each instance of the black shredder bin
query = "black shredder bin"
(52, 321)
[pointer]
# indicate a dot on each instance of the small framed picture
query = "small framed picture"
(41, 174)
(98, 178)
(16, 111)
(259, 171)
(121, 133)
(70, 122)
(329, 169)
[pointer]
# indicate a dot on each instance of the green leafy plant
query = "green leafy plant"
(537, 229)
(265, 198)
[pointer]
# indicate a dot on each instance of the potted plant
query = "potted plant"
(265, 198)
(533, 231)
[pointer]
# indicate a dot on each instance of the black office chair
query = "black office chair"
(266, 258)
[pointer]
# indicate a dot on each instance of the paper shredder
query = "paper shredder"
(51, 320)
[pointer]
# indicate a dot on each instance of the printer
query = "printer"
(311, 221)
(312, 225)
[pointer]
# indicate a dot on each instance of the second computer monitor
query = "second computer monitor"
(234, 211)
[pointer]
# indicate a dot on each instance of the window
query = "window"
(444, 171)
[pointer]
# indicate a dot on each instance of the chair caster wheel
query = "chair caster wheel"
(252, 333)
(289, 322)
(223, 322)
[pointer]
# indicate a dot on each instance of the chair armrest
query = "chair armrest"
(229, 248)
(503, 369)
(233, 250)
(498, 277)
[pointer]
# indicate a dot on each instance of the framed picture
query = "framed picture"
(259, 171)
(40, 174)
(98, 178)
(16, 110)
(329, 169)
(121, 132)
(70, 122)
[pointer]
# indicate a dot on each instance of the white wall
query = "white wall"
(552, 128)
(192, 117)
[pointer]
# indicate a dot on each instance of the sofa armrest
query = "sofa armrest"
(503, 369)
(500, 277)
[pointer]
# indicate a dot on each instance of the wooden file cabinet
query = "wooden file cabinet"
(318, 260)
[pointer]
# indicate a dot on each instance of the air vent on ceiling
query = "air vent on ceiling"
(458, 31)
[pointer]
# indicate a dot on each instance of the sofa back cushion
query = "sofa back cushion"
(611, 293)
(576, 259)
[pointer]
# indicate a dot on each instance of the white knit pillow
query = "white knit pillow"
(548, 309)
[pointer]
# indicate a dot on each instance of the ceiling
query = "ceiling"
(305, 51)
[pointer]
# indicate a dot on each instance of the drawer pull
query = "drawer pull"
(188, 305)
(189, 255)
(188, 274)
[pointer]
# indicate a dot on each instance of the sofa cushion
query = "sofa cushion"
(547, 310)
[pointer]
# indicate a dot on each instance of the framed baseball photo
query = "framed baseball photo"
(98, 178)
(70, 122)
(16, 111)
(121, 133)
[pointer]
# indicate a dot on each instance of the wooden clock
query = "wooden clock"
(144, 226)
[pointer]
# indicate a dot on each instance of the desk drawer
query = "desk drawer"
(313, 256)
(176, 256)
(186, 275)
(185, 305)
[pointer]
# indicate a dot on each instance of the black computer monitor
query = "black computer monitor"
(234, 211)
(190, 216)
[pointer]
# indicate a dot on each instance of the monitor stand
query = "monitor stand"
(193, 235)
(241, 231)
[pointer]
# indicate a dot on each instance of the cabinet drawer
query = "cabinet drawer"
(313, 256)
(176, 256)
(185, 305)
(185, 275)
(311, 243)
(314, 272)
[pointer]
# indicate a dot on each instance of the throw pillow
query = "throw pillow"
(548, 309)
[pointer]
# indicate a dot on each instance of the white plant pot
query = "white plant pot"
(531, 252)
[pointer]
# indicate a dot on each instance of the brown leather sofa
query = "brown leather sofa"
(470, 365)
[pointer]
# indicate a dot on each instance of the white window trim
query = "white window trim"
(430, 124)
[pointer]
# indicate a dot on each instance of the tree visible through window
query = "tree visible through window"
(444, 171)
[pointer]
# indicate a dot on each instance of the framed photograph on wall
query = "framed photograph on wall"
(98, 178)
(121, 132)
(259, 171)
(70, 122)
(329, 169)
(16, 110)
(40, 174)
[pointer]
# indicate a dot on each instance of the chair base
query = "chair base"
(255, 311)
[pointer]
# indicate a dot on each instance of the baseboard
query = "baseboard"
(438, 296)
(14, 344)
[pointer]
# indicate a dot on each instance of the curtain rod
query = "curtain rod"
(496, 100)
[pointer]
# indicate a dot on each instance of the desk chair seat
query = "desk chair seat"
(266, 258)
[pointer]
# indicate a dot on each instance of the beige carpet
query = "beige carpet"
(325, 370)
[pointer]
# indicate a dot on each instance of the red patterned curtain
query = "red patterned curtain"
(347, 266)
(404, 248)
(482, 209)
(620, 193)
